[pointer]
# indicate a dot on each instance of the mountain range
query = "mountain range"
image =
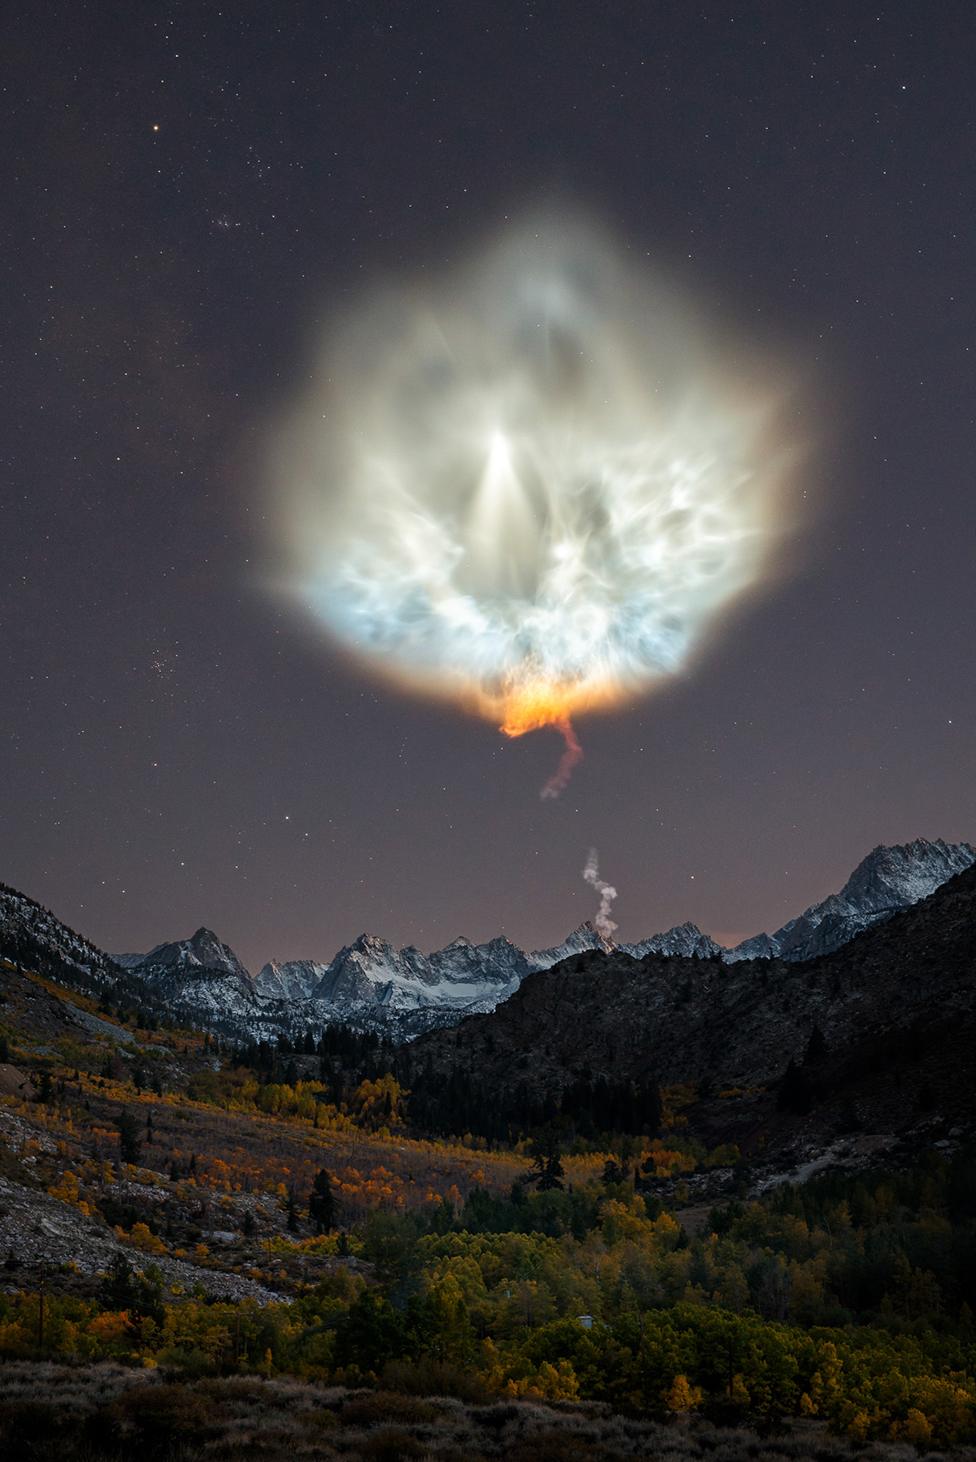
(401, 993)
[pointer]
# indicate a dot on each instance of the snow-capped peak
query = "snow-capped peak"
(684, 940)
(584, 937)
(203, 950)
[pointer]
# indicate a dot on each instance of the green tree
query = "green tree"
(291, 1210)
(370, 1333)
(321, 1203)
(130, 1136)
(550, 1172)
(816, 1047)
(796, 1092)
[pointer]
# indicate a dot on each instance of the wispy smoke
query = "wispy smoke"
(571, 757)
(603, 924)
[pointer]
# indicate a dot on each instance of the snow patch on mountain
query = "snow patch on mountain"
(292, 979)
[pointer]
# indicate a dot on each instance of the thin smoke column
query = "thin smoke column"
(571, 757)
(533, 484)
(603, 924)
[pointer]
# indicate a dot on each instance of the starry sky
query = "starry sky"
(192, 189)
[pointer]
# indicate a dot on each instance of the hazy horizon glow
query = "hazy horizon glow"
(530, 486)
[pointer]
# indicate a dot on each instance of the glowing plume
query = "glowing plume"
(531, 486)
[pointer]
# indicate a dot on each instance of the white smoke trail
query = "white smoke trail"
(571, 757)
(603, 923)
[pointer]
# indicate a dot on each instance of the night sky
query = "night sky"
(191, 190)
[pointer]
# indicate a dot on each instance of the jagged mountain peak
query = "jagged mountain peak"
(203, 950)
(906, 871)
(367, 943)
(292, 980)
(584, 937)
(889, 879)
(683, 941)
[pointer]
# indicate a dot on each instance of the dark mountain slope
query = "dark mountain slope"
(33, 938)
(892, 998)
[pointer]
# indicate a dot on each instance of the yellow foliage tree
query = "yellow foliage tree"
(69, 1191)
(142, 1237)
(916, 1428)
(683, 1396)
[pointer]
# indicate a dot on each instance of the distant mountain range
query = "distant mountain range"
(402, 992)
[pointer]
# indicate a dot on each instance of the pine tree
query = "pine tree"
(550, 1172)
(292, 1213)
(130, 1144)
(796, 1092)
(816, 1047)
(321, 1203)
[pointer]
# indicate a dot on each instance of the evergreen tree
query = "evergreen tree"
(321, 1203)
(551, 1173)
(118, 1287)
(292, 1212)
(130, 1144)
(816, 1047)
(613, 1172)
(796, 1091)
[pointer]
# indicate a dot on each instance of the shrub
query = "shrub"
(391, 1445)
(387, 1406)
(155, 1418)
(430, 1377)
(31, 1428)
(556, 1445)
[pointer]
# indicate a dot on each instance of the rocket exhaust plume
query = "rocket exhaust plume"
(572, 755)
(602, 923)
(531, 486)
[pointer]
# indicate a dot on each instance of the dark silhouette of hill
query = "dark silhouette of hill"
(876, 1036)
